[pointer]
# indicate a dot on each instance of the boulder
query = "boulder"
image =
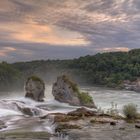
(66, 91)
(132, 85)
(35, 88)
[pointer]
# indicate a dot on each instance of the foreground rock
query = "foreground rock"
(94, 127)
(35, 88)
(66, 91)
(105, 132)
(23, 135)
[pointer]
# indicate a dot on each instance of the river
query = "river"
(15, 119)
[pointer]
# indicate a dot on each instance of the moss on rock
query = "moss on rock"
(36, 78)
(85, 98)
(67, 91)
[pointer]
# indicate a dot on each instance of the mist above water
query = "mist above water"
(103, 97)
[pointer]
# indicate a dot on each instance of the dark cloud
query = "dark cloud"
(35, 29)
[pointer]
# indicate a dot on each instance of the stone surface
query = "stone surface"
(35, 88)
(137, 126)
(80, 112)
(66, 91)
(105, 132)
(134, 85)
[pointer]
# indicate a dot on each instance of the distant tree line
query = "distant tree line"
(107, 69)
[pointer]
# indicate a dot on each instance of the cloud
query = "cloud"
(67, 28)
(123, 49)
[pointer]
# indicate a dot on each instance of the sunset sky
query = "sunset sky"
(63, 29)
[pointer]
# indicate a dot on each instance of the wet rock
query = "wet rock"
(2, 125)
(25, 135)
(29, 111)
(65, 118)
(81, 112)
(66, 91)
(35, 88)
(137, 126)
(112, 123)
(101, 120)
(61, 127)
(105, 132)
(132, 85)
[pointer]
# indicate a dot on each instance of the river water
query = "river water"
(104, 97)
(11, 102)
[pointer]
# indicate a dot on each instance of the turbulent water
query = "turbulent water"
(12, 103)
(104, 97)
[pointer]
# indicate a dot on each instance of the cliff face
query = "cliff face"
(66, 91)
(35, 88)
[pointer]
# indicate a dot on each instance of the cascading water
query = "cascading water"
(19, 113)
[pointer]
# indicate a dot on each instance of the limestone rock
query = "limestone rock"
(66, 91)
(35, 88)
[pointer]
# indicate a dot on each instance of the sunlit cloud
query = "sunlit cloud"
(67, 28)
(5, 50)
(36, 33)
(123, 49)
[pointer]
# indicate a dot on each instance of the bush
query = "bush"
(85, 98)
(130, 111)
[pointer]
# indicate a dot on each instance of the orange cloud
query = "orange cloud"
(123, 49)
(5, 50)
(44, 34)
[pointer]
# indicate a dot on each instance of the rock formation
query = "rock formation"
(35, 88)
(134, 85)
(66, 91)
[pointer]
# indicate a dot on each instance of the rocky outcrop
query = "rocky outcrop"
(35, 88)
(134, 85)
(66, 91)
(2, 125)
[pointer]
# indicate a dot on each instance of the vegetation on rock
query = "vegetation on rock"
(85, 98)
(36, 78)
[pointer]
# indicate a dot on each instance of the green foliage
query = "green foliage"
(85, 98)
(130, 111)
(71, 83)
(9, 76)
(107, 69)
(35, 78)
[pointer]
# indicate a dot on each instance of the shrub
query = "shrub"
(85, 98)
(37, 79)
(130, 111)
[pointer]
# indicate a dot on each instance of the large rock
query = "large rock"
(66, 91)
(35, 88)
(132, 85)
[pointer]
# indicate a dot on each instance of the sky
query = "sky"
(65, 29)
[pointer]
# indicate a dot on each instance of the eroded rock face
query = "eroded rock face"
(66, 91)
(35, 88)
